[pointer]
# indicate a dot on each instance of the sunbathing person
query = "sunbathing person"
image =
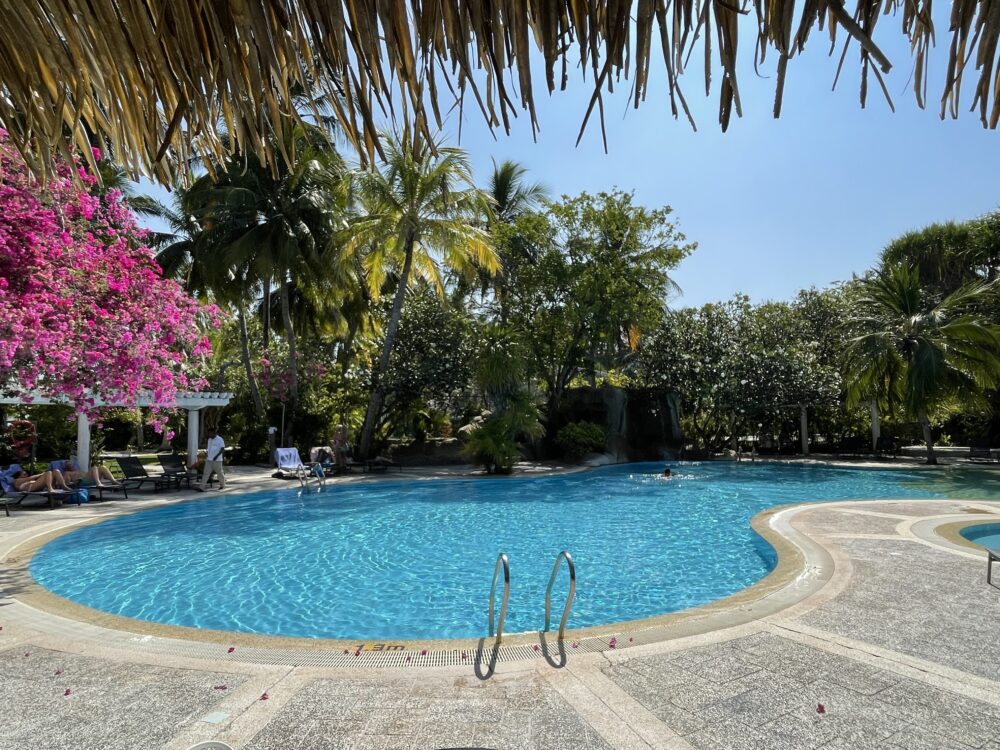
(340, 447)
(101, 476)
(24, 482)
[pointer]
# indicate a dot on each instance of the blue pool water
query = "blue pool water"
(414, 559)
(986, 534)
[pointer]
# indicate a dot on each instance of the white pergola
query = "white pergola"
(192, 401)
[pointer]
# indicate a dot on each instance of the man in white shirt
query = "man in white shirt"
(213, 460)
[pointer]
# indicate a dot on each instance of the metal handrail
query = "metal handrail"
(569, 599)
(502, 562)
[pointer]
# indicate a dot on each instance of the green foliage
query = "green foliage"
(577, 439)
(737, 366)
(596, 284)
(494, 445)
(915, 350)
(431, 363)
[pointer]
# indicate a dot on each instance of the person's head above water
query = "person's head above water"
(666, 472)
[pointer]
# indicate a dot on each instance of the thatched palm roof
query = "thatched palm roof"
(159, 78)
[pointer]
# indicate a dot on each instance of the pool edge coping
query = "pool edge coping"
(803, 567)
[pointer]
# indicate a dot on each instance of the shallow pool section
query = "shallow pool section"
(414, 559)
(984, 534)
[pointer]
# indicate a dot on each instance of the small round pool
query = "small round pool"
(983, 534)
(414, 559)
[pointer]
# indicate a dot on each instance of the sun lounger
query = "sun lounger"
(290, 463)
(980, 452)
(382, 464)
(178, 472)
(135, 472)
(12, 495)
(86, 483)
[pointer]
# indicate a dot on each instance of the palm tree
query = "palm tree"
(419, 208)
(269, 227)
(185, 254)
(915, 350)
(512, 194)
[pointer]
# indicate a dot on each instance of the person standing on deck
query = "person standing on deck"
(213, 460)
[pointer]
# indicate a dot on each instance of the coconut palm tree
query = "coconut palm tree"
(512, 194)
(185, 254)
(915, 350)
(419, 210)
(269, 227)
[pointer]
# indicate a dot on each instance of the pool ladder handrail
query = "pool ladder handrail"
(564, 555)
(504, 563)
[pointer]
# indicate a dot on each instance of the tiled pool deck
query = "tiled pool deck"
(891, 640)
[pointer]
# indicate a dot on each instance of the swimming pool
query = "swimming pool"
(984, 534)
(414, 559)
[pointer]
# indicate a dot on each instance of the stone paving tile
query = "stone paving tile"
(776, 706)
(111, 705)
(841, 522)
(522, 715)
(919, 601)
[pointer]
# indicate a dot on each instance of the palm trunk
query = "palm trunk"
(266, 315)
(293, 358)
(258, 403)
(346, 353)
(925, 423)
(378, 395)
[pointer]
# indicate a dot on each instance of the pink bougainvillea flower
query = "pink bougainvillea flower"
(58, 672)
(424, 652)
(357, 653)
(265, 697)
(409, 658)
(613, 642)
(220, 687)
(68, 692)
(85, 313)
(820, 708)
(575, 645)
(231, 649)
(536, 647)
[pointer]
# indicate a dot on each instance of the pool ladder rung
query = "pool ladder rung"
(504, 564)
(564, 555)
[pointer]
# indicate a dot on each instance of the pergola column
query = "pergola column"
(192, 441)
(83, 442)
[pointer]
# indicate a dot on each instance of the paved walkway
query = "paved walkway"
(898, 648)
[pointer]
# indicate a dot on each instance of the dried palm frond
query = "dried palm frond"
(159, 80)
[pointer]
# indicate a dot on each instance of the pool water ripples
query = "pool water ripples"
(395, 560)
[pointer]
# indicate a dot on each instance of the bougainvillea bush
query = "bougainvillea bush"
(85, 313)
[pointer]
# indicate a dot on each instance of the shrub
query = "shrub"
(494, 445)
(577, 439)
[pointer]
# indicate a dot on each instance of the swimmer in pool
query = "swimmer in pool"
(666, 472)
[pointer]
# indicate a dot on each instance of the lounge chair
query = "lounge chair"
(178, 472)
(290, 463)
(135, 472)
(980, 452)
(7, 491)
(86, 484)
(381, 464)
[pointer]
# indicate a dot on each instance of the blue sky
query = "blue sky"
(774, 205)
